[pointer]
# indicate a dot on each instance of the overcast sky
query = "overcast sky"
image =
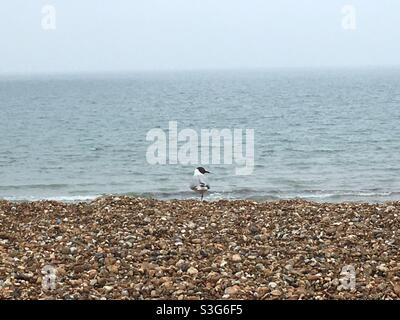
(129, 35)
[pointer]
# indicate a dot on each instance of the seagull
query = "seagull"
(199, 181)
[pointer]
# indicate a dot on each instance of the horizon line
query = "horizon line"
(188, 70)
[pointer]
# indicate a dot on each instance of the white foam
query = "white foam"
(54, 198)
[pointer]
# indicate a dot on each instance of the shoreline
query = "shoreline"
(90, 199)
(135, 248)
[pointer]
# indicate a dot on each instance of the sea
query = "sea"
(326, 135)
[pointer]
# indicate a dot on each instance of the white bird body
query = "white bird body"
(199, 182)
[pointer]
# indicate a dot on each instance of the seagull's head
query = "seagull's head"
(202, 170)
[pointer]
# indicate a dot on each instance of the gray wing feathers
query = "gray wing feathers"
(199, 183)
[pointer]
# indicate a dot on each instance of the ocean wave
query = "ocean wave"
(77, 198)
(35, 186)
(240, 194)
(252, 194)
(55, 186)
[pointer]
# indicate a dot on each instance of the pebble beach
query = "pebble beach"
(134, 248)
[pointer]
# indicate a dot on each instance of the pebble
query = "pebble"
(133, 248)
(236, 258)
(231, 291)
(276, 292)
(272, 285)
(108, 288)
(192, 271)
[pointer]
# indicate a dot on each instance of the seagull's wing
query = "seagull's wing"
(199, 183)
(203, 181)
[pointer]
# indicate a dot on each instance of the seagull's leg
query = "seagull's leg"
(201, 196)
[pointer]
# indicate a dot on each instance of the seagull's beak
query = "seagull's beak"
(207, 171)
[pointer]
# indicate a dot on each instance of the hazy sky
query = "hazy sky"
(128, 35)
